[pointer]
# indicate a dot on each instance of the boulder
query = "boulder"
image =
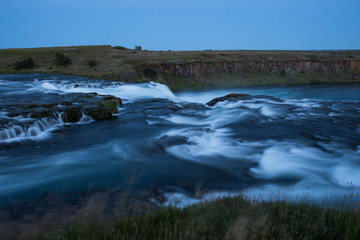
(32, 106)
(110, 104)
(72, 115)
(116, 99)
(47, 105)
(98, 113)
(229, 97)
(42, 113)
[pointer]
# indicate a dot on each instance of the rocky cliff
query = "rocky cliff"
(210, 68)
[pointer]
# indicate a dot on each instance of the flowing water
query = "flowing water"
(297, 141)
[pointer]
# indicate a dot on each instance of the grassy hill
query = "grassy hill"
(190, 69)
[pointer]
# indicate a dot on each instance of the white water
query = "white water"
(39, 130)
(129, 92)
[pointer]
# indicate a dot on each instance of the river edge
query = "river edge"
(224, 218)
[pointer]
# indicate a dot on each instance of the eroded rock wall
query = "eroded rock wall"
(209, 68)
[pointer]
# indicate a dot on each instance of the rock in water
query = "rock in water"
(111, 105)
(98, 113)
(72, 115)
(116, 99)
(229, 97)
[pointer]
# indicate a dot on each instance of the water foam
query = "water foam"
(38, 130)
(181, 200)
(301, 163)
(130, 92)
(205, 144)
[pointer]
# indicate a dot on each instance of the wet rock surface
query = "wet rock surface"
(34, 114)
(229, 97)
(72, 107)
(233, 97)
(98, 113)
(111, 105)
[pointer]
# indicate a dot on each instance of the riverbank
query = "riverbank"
(182, 70)
(225, 218)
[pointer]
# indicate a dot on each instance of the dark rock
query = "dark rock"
(229, 97)
(72, 115)
(98, 113)
(46, 113)
(67, 103)
(13, 114)
(174, 109)
(47, 105)
(32, 106)
(35, 114)
(89, 96)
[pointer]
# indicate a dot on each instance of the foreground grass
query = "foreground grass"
(227, 218)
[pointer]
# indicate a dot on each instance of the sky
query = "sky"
(182, 24)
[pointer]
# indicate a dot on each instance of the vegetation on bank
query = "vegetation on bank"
(23, 64)
(137, 65)
(226, 218)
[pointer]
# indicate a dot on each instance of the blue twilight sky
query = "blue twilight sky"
(182, 24)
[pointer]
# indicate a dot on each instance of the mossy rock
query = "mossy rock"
(98, 113)
(113, 98)
(111, 105)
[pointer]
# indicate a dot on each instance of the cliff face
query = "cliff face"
(209, 68)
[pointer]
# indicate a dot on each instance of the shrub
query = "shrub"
(62, 60)
(149, 72)
(137, 47)
(282, 73)
(92, 63)
(314, 58)
(120, 47)
(25, 63)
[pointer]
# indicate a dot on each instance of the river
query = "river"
(291, 142)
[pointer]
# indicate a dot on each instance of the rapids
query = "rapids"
(289, 142)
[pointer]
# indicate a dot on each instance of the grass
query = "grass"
(225, 218)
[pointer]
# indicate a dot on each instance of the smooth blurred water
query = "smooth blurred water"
(302, 140)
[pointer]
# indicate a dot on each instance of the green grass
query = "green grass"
(226, 218)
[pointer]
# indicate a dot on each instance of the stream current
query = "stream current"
(299, 141)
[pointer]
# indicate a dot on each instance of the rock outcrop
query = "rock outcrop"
(98, 113)
(210, 68)
(72, 110)
(229, 97)
(72, 114)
